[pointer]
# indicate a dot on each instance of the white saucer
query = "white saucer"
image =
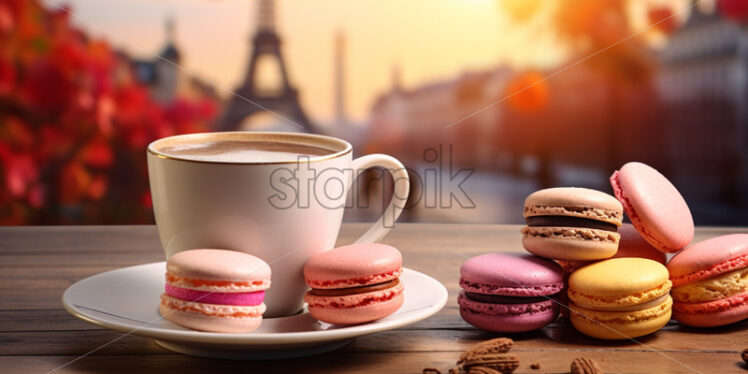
(127, 300)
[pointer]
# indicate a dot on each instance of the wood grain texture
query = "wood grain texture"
(36, 335)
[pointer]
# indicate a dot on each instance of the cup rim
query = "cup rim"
(289, 137)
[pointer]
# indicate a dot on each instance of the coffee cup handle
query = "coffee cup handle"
(399, 195)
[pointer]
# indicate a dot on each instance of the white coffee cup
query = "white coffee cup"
(247, 205)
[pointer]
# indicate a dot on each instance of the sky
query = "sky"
(428, 40)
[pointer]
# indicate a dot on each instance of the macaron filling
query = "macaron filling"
(217, 285)
(617, 301)
(219, 298)
(721, 286)
(575, 211)
(568, 221)
(528, 307)
(354, 290)
(214, 310)
(635, 307)
(622, 317)
(354, 282)
(355, 300)
(518, 290)
(501, 299)
(714, 306)
(564, 233)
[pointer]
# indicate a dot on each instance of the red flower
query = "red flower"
(207, 109)
(98, 153)
(7, 20)
(46, 88)
(130, 102)
(36, 196)
(16, 133)
(734, 9)
(74, 180)
(146, 200)
(97, 187)
(53, 142)
(7, 74)
(104, 112)
(20, 172)
(78, 113)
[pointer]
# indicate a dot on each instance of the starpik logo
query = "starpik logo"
(439, 185)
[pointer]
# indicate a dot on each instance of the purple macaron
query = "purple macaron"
(509, 292)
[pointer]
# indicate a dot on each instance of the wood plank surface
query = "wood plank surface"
(36, 335)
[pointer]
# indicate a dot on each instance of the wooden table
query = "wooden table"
(36, 335)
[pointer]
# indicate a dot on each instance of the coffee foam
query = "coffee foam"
(244, 151)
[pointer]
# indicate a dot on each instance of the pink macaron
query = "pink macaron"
(654, 206)
(632, 244)
(710, 282)
(354, 284)
(509, 292)
(215, 290)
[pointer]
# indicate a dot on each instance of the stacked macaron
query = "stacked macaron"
(582, 230)
(509, 292)
(572, 226)
(567, 223)
(354, 284)
(617, 283)
(215, 290)
(655, 207)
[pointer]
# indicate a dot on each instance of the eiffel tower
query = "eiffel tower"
(283, 102)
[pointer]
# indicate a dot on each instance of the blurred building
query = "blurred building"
(407, 122)
(704, 84)
(682, 109)
(165, 79)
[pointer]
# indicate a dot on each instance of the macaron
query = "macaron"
(654, 206)
(509, 292)
(620, 298)
(215, 290)
(710, 282)
(570, 223)
(632, 244)
(354, 284)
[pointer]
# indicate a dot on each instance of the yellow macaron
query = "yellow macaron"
(620, 298)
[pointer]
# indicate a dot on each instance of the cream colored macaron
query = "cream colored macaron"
(568, 223)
